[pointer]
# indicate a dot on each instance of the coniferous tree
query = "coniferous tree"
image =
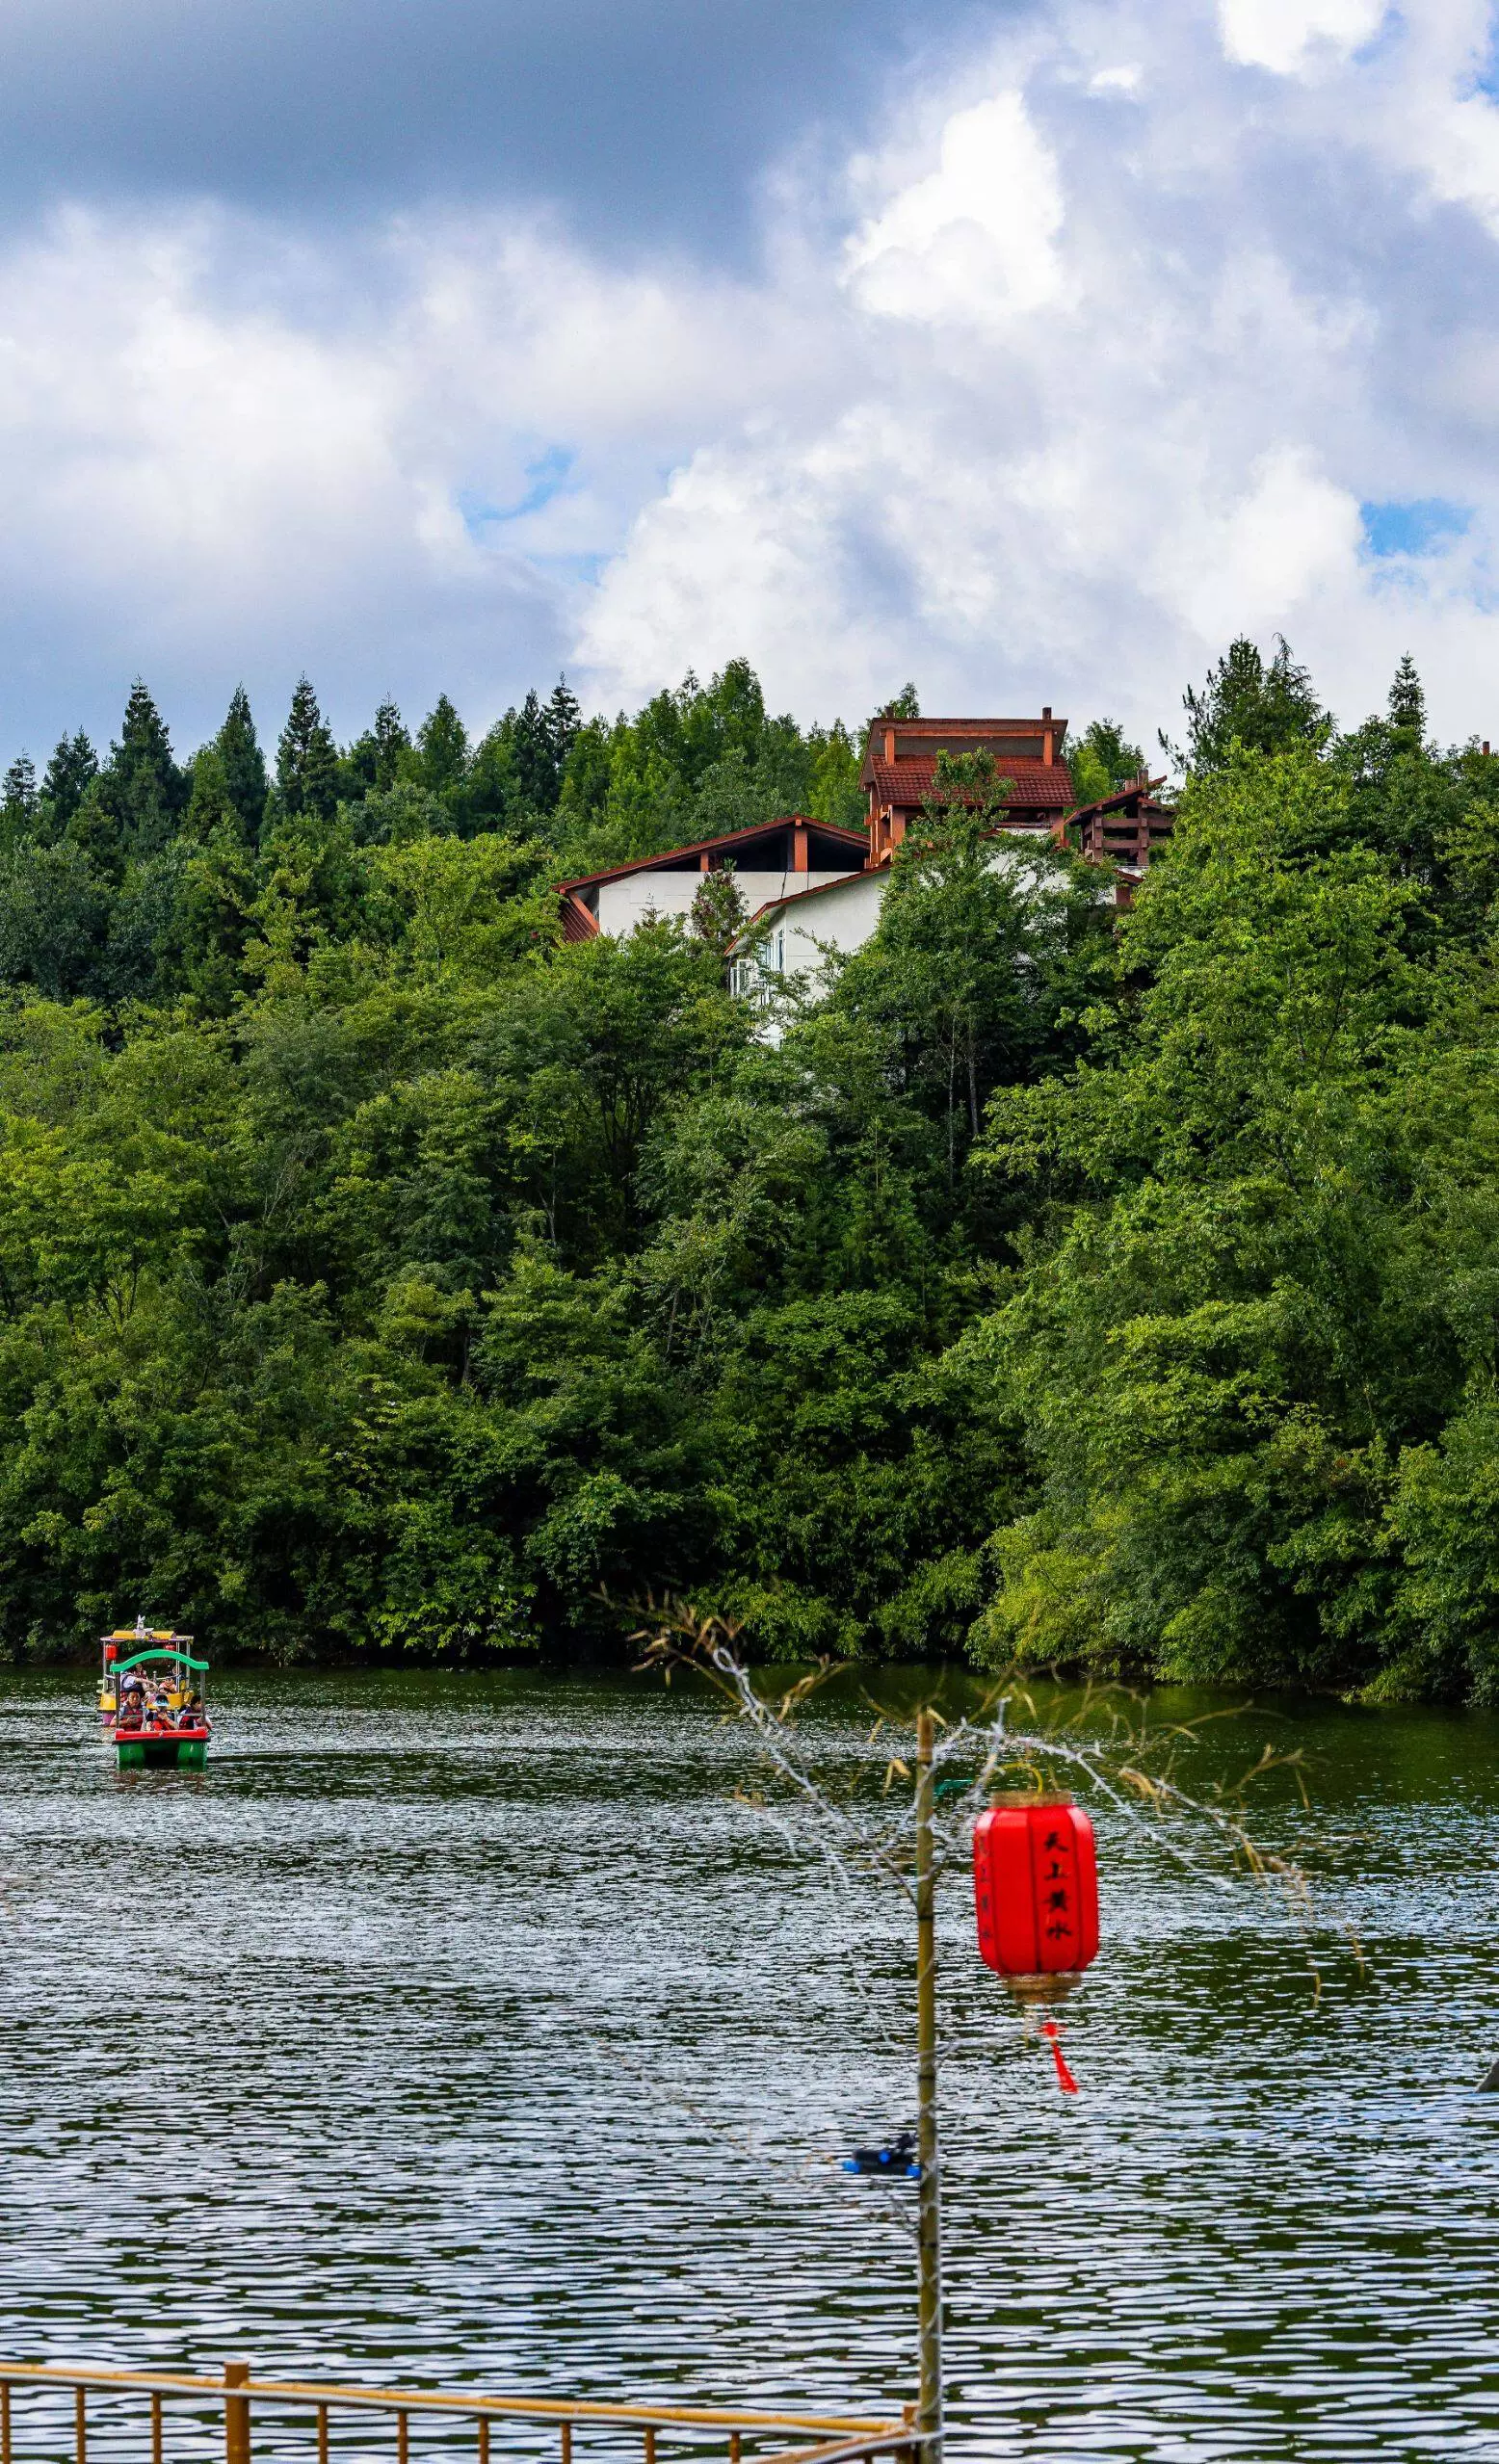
(66, 780)
(1265, 709)
(564, 721)
(533, 756)
(307, 758)
(245, 778)
(392, 740)
(442, 747)
(1407, 709)
(145, 790)
(19, 802)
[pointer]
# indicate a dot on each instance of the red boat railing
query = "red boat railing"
(815, 2438)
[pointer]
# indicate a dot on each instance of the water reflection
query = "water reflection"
(470, 2031)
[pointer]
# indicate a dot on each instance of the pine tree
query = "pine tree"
(533, 756)
(392, 740)
(144, 789)
(18, 800)
(563, 720)
(307, 758)
(1407, 708)
(73, 766)
(1267, 710)
(245, 778)
(443, 742)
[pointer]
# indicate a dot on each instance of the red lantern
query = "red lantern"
(1036, 1887)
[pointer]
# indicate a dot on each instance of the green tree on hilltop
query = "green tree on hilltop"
(141, 787)
(442, 754)
(73, 766)
(307, 758)
(19, 802)
(244, 777)
(1263, 709)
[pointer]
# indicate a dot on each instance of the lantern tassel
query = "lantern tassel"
(1065, 2079)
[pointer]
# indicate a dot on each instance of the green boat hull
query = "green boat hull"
(161, 1753)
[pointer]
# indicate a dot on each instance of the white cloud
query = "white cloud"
(974, 239)
(1289, 534)
(1035, 398)
(1249, 319)
(1282, 34)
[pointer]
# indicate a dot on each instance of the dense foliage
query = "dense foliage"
(376, 1271)
(373, 1269)
(1253, 1341)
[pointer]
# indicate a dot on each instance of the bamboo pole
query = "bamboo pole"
(928, 2189)
(849, 2430)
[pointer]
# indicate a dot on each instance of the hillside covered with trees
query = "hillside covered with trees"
(377, 1272)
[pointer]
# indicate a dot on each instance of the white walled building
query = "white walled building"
(797, 933)
(780, 859)
(810, 889)
(792, 935)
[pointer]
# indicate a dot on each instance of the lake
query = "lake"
(470, 2030)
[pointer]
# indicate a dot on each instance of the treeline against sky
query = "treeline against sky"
(133, 875)
(379, 1274)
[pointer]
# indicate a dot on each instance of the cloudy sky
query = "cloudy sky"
(1029, 350)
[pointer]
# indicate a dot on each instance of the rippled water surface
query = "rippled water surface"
(472, 2031)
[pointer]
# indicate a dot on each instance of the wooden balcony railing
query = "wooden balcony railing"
(1123, 838)
(742, 2437)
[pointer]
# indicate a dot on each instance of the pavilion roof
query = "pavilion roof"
(1040, 786)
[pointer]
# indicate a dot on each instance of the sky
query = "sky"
(1029, 349)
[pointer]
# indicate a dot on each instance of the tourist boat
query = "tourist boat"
(151, 1700)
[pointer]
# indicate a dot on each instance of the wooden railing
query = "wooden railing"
(771, 2438)
(1124, 838)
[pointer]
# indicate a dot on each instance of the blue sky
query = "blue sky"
(1029, 350)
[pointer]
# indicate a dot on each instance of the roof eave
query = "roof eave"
(707, 847)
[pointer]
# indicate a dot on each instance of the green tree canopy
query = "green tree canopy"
(307, 758)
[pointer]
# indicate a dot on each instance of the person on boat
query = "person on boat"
(131, 1711)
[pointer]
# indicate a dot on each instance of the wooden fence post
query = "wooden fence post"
(236, 2415)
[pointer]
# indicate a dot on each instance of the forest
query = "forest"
(379, 1275)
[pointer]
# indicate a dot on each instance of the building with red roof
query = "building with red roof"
(810, 887)
(900, 770)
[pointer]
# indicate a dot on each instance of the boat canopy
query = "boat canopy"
(183, 1658)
